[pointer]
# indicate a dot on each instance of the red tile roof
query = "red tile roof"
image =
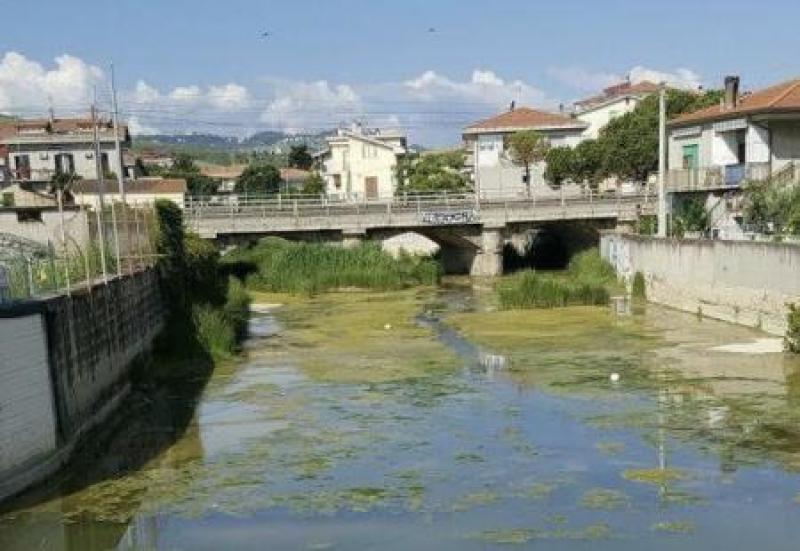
(524, 118)
(643, 88)
(294, 175)
(14, 127)
(781, 98)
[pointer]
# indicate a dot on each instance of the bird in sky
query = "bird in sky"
(265, 34)
(432, 29)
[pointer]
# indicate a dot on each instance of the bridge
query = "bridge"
(475, 229)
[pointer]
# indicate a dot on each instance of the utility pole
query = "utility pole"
(662, 160)
(101, 185)
(118, 147)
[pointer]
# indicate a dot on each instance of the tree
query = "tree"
(528, 147)
(184, 167)
(560, 165)
(629, 144)
(259, 179)
(433, 172)
(299, 157)
(690, 215)
(587, 161)
(314, 184)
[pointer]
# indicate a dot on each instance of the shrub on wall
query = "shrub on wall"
(793, 332)
(638, 289)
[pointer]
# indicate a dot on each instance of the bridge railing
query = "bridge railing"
(221, 206)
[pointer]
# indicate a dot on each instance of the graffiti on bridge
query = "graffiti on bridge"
(450, 217)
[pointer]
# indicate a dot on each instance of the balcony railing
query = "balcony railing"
(717, 177)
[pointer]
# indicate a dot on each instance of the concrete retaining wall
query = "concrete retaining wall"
(743, 282)
(70, 357)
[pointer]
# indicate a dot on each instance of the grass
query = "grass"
(276, 265)
(792, 340)
(586, 282)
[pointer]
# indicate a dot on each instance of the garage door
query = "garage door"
(27, 418)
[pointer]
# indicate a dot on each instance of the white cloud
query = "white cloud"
(680, 78)
(299, 106)
(138, 129)
(484, 87)
(594, 81)
(28, 87)
(186, 94)
(230, 97)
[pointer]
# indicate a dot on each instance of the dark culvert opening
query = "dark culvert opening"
(544, 251)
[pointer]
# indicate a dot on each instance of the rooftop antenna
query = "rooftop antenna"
(51, 112)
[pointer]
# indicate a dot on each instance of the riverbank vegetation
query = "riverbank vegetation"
(772, 208)
(277, 265)
(586, 281)
(207, 313)
(793, 330)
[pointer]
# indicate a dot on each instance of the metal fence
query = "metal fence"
(114, 241)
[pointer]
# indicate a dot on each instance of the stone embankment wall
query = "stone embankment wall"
(744, 282)
(64, 366)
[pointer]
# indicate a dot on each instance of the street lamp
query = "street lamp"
(662, 159)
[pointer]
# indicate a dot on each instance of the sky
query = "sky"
(429, 67)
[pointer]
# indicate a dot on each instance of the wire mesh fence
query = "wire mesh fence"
(104, 243)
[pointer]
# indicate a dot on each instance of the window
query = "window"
(369, 151)
(65, 163)
(690, 156)
(104, 163)
(22, 164)
(337, 181)
(486, 146)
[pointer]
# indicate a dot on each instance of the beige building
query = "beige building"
(37, 149)
(487, 146)
(613, 102)
(359, 164)
(144, 191)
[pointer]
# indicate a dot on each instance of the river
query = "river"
(427, 419)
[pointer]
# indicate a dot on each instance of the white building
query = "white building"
(745, 138)
(143, 191)
(615, 101)
(37, 149)
(359, 164)
(487, 143)
(712, 153)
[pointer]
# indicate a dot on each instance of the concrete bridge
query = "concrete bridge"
(472, 231)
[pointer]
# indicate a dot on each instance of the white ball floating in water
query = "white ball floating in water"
(388, 326)
(614, 377)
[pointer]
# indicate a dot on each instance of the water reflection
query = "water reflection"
(465, 429)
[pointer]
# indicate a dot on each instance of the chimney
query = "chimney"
(731, 91)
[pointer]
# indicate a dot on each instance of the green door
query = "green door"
(691, 156)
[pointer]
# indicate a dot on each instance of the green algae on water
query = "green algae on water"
(605, 499)
(659, 477)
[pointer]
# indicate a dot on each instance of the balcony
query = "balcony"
(716, 177)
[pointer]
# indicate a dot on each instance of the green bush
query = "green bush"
(532, 290)
(237, 307)
(215, 332)
(283, 266)
(793, 332)
(589, 265)
(638, 289)
(586, 282)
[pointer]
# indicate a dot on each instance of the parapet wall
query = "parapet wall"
(64, 364)
(744, 282)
